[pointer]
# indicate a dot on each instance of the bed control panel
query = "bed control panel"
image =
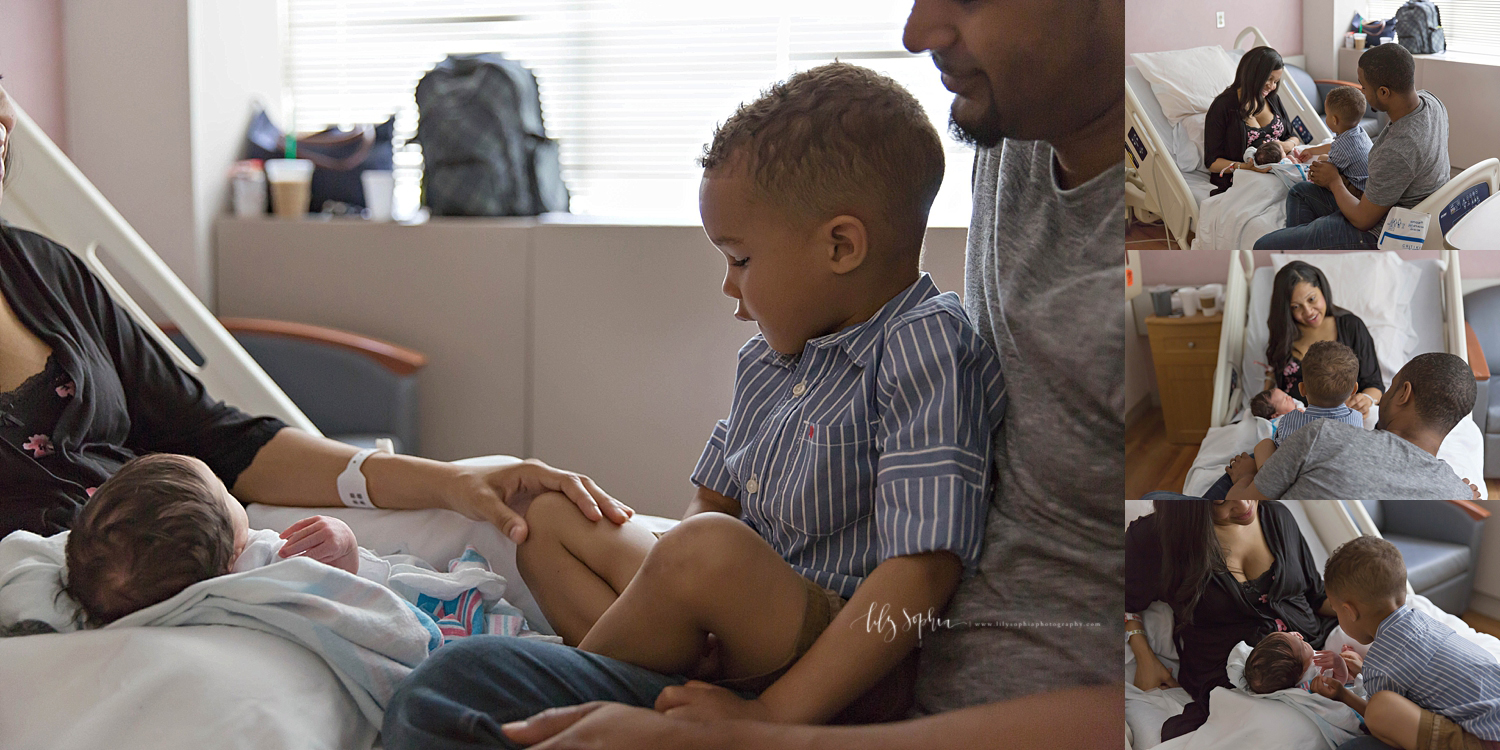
(1461, 205)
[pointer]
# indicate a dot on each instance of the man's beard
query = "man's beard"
(987, 133)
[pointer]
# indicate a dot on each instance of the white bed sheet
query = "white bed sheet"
(1254, 206)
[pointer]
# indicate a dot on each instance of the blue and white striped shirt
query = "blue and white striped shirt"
(1292, 421)
(1427, 663)
(1350, 152)
(875, 442)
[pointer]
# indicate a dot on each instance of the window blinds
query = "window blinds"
(631, 89)
(1468, 25)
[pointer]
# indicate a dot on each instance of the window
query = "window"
(631, 89)
(1468, 25)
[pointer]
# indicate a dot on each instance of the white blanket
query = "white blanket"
(1337, 722)
(368, 635)
(1253, 206)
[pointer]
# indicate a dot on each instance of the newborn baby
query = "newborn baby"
(1272, 403)
(1284, 660)
(1270, 157)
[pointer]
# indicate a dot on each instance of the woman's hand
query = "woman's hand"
(1360, 402)
(1290, 143)
(501, 495)
(325, 539)
(1151, 674)
(1241, 467)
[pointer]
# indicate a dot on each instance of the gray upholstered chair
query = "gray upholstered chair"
(356, 389)
(1482, 313)
(1439, 540)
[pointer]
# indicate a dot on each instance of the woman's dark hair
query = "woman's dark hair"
(1250, 77)
(1283, 326)
(1190, 554)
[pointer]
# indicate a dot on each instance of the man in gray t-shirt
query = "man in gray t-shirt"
(1327, 460)
(1408, 162)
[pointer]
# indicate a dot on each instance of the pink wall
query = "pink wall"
(1158, 25)
(1180, 268)
(31, 59)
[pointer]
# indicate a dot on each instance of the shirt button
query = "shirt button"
(752, 486)
(799, 389)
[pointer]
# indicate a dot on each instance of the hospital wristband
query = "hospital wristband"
(352, 488)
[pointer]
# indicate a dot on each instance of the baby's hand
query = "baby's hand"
(1331, 661)
(1327, 687)
(325, 539)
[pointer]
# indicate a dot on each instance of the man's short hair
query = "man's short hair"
(1273, 665)
(834, 138)
(1391, 66)
(1330, 372)
(151, 530)
(1366, 569)
(1347, 103)
(1442, 387)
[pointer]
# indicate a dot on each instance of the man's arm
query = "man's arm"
(1086, 718)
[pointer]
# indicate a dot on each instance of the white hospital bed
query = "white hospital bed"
(1156, 185)
(1431, 290)
(220, 687)
(1325, 524)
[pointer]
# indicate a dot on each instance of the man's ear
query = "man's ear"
(1302, 388)
(847, 241)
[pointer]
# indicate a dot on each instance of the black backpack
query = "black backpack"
(1419, 28)
(485, 149)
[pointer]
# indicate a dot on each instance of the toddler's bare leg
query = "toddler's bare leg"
(576, 567)
(1393, 720)
(710, 574)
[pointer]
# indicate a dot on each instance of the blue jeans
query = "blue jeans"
(464, 691)
(1314, 222)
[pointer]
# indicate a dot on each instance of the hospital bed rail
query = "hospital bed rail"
(47, 193)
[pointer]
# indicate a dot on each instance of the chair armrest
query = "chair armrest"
(1475, 510)
(398, 359)
(1477, 361)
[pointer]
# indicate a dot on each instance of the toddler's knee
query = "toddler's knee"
(549, 513)
(701, 549)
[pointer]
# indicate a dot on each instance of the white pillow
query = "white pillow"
(1186, 143)
(1377, 287)
(1186, 81)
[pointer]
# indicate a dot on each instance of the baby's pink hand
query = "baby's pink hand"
(325, 539)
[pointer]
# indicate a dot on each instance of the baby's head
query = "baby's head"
(1343, 108)
(1272, 403)
(1269, 153)
(1365, 580)
(817, 194)
(162, 523)
(1277, 662)
(1330, 372)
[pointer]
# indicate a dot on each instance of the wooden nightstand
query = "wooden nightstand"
(1185, 351)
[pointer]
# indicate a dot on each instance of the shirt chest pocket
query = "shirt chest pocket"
(833, 478)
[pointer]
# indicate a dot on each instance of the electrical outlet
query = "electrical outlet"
(1219, 18)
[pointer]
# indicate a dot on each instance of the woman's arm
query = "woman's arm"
(1219, 135)
(301, 469)
(1353, 333)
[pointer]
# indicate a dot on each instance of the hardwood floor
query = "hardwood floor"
(1151, 237)
(1152, 463)
(1482, 623)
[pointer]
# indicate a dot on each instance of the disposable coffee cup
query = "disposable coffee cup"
(1208, 298)
(380, 190)
(1359, 40)
(291, 186)
(1189, 296)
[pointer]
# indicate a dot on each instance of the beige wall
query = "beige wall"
(31, 58)
(609, 350)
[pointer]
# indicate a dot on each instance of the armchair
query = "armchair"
(1482, 316)
(1317, 90)
(1439, 540)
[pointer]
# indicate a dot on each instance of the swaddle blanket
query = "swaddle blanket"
(1336, 721)
(368, 635)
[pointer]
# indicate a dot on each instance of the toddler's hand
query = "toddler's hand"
(1352, 660)
(1331, 661)
(1327, 687)
(325, 539)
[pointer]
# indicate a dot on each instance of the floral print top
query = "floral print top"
(29, 414)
